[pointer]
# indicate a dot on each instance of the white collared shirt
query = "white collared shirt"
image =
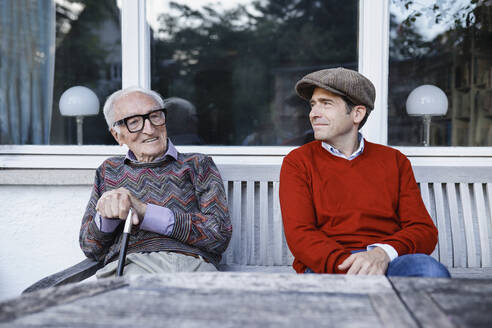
(336, 152)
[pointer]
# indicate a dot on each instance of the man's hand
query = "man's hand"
(116, 204)
(373, 262)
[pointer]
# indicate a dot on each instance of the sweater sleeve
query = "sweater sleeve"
(94, 242)
(309, 245)
(209, 229)
(418, 233)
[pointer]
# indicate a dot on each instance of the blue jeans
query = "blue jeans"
(413, 265)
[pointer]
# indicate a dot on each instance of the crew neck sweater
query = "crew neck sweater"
(332, 206)
(189, 185)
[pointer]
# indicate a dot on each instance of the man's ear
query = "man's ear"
(359, 112)
(116, 136)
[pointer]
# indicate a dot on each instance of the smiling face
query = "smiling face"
(147, 144)
(330, 120)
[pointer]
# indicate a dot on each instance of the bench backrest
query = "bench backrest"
(459, 200)
(258, 235)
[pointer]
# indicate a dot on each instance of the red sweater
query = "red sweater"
(331, 206)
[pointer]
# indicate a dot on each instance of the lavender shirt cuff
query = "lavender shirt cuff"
(106, 225)
(158, 219)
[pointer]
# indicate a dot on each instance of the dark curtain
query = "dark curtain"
(27, 55)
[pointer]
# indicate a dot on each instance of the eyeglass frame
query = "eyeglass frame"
(144, 117)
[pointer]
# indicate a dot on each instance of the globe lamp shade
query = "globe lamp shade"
(79, 101)
(427, 100)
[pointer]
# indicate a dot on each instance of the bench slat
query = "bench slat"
(277, 226)
(424, 191)
(236, 224)
(444, 249)
(489, 194)
(456, 230)
(471, 250)
(227, 256)
(482, 225)
(250, 220)
(263, 223)
(226, 188)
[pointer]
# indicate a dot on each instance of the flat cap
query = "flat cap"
(345, 82)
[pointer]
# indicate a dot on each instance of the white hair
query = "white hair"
(109, 104)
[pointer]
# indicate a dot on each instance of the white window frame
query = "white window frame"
(135, 44)
(373, 56)
(374, 62)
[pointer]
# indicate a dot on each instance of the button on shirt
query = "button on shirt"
(159, 219)
(390, 250)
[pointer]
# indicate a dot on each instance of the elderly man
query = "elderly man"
(349, 205)
(179, 207)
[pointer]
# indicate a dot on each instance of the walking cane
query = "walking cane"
(124, 243)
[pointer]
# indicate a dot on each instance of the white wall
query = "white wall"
(38, 233)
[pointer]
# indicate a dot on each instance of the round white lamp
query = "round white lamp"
(427, 101)
(79, 101)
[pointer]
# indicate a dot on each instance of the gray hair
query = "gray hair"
(109, 104)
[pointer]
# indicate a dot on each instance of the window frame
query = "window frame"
(373, 54)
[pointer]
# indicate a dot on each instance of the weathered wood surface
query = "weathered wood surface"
(51, 297)
(256, 300)
(447, 302)
(214, 300)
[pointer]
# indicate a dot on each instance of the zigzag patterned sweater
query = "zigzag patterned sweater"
(190, 186)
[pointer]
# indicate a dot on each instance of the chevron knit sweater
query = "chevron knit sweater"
(190, 186)
(332, 206)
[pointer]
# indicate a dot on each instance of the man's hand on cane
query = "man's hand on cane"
(117, 203)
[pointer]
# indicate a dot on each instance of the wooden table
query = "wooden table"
(256, 300)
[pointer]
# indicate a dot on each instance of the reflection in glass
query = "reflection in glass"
(88, 53)
(236, 63)
(84, 36)
(448, 44)
(27, 39)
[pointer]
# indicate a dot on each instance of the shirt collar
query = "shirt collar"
(335, 152)
(171, 151)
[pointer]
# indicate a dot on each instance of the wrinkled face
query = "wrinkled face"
(151, 141)
(329, 117)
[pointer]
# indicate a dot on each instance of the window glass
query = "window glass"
(448, 44)
(26, 71)
(231, 66)
(47, 47)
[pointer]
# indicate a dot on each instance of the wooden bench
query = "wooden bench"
(459, 200)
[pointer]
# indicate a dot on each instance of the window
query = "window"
(46, 48)
(448, 44)
(244, 107)
(231, 66)
(26, 71)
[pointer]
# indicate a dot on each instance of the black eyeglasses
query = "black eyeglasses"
(136, 123)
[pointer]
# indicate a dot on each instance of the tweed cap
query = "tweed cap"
(345, 82)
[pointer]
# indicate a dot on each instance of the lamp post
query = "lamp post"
(79, 101)
(427, 101)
